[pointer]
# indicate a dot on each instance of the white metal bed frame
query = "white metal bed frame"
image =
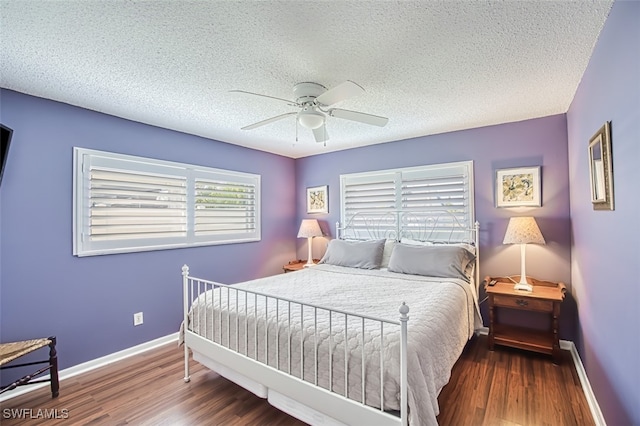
(437, 226)
(302, 398)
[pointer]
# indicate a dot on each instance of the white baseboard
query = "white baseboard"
(92, 365)
(568, 345)
(598, 418)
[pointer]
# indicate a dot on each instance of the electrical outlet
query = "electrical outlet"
(137, 318)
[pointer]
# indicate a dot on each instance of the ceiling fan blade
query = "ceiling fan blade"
(374, 120)
(339, 93)
(288, 102)
(268, 120)
(321, 134)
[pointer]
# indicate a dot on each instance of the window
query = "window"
(422, 193)
(127, 204)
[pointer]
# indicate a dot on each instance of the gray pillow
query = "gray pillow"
(354, 254)
(442, 261)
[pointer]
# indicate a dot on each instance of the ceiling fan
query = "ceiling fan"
(313, 101)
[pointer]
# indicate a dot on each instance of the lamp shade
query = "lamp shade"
(311, 119)
(309, 228)
(523, 230)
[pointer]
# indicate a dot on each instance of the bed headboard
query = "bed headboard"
(442, 227)
(435, 226)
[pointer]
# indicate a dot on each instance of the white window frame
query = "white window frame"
(184, 233)
(385, 193)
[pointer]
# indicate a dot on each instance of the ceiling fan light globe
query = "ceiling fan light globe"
(311, 119)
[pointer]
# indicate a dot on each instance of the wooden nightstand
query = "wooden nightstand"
(546, 298)
(296, 265)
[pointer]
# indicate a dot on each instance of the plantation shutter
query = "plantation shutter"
(223, 207)
(364, 193)
(125, 205)
(427, 193)
(421, 193)
(375, 192)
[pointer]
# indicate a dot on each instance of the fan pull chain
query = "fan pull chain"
(324, 127)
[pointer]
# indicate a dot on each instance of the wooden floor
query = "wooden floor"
(512, 387)
(505, 387)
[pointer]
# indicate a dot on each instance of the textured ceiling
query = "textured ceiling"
(430, 67)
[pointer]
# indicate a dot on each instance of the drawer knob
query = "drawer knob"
(521, 302)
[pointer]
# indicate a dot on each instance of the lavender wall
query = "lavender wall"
(540, 142)
(605, 257)
(89, 302)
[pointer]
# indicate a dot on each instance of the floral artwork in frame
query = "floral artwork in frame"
(518, 187)
(317, 199)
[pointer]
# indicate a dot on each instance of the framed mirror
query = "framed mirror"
(600, 168)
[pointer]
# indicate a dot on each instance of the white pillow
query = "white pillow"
(386, 254)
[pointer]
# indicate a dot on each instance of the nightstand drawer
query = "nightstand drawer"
(523, 303)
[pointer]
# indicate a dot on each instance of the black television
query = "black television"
(4, 149)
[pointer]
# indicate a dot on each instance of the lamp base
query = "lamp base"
(523, 286)
(310, 254)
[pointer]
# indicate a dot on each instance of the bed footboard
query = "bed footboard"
(332, 361)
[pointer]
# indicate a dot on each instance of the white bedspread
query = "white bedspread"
(443, 316)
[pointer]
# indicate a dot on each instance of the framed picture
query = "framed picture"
(600, 169)
(518, 187)
(317, 199)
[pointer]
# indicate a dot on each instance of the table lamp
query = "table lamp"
(523, 231)
(309, 228)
